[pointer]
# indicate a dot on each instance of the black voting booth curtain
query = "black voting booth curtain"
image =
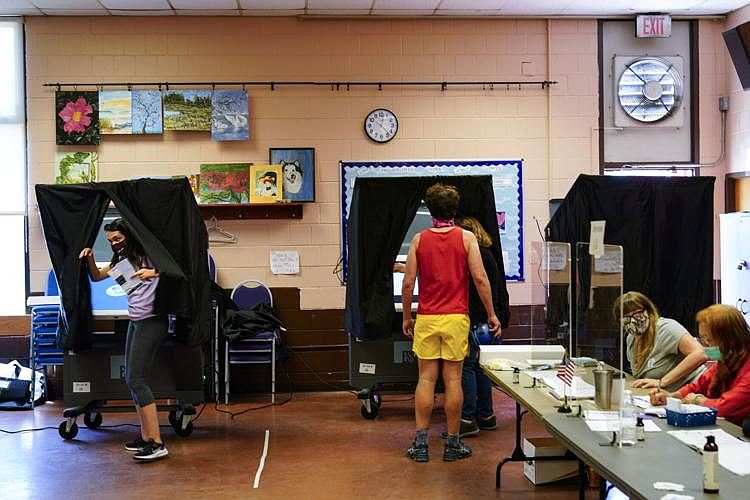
(665, 226)
(163, 217)
(380, 214)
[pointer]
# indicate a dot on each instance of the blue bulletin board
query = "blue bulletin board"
(506, 183)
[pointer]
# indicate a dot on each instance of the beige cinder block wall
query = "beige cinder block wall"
(554, 131)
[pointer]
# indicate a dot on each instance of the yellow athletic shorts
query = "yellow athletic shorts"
(441, 336)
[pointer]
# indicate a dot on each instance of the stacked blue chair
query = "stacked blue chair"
(44, 322)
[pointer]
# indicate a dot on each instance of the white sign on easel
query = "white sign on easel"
(284, 261)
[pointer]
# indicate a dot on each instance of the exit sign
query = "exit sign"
(653, 26)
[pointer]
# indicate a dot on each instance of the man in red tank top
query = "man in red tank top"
(444, 257)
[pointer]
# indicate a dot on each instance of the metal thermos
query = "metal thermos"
(603, 387)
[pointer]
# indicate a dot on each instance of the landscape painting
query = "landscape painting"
(187, 110)
(115, 112)
(72, 168)
(229, 116)
(266, 184)
(225, 182)
(76, 117)
(147, 112)
(298, 171)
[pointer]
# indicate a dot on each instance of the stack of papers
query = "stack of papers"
(733, 453)
(578, 390)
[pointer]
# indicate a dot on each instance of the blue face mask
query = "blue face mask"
(713, 353)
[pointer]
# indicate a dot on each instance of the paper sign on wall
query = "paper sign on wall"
(284, 261)
(596, 238)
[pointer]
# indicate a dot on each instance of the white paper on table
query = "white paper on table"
(580, 389)
(644, 403)
(284, 261)
(122, 273)
(733, 453)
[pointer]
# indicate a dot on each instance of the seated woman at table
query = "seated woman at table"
(661, 352)
(726, 385)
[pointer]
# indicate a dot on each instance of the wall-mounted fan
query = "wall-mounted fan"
(649, 89)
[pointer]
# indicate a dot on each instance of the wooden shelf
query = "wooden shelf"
(252, 211)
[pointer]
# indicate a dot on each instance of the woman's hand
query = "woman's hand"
(646, 383)
(694, 398)
(86, 252)
(658, 397)
(146, 273)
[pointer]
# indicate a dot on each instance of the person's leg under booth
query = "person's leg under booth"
(142, 344)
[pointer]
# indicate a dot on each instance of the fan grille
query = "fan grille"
(649, 89)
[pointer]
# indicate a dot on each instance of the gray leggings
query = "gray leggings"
(143, 341)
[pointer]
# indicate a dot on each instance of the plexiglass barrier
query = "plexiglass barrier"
(552, 287)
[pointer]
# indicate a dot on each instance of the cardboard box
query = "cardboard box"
(547, 471)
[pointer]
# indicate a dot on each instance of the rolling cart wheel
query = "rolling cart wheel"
(369, 415)
(67, 434)
(376, 400)
(184, 432)
(92, 420)
(173, 418)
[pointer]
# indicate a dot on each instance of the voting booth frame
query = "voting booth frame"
(94, 383)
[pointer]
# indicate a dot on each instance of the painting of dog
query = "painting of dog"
(298, 172)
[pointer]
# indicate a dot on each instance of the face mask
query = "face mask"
(119, 247)
(713, 353)
(636, 324)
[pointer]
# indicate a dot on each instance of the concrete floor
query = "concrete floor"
(319, 447)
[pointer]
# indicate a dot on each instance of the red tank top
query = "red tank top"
(443, 273)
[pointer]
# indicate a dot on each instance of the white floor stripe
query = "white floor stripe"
(262, 461)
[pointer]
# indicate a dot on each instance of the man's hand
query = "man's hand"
(86, 252)
(495, 327)
(408, 328)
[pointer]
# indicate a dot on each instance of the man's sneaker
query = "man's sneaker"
(135, 445)
(418, 452)
(487, 424)
(467, 428)
(151, 451)
(451, 453)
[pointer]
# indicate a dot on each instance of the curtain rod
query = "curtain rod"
(334, 85)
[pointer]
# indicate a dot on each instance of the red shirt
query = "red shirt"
(442, 263)
(733, 404)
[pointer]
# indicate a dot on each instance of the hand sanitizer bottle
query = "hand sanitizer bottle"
(627, 421)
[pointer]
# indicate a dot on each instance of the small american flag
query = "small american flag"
(566, 372)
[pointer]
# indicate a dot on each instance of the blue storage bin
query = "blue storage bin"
(692, 419)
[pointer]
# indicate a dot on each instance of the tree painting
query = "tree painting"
(187, 110)
(147, 112)
(229, 120)
(72, 168)
(225, 183)
(77, 117)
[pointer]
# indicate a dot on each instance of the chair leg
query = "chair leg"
(273, 370)
(226, 372)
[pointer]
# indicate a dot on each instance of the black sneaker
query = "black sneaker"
(487, 424)
(152, 451)
(136, 445)
(451, 453)
(467, 428)
(418, 452)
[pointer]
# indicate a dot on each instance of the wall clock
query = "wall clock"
(381, 125)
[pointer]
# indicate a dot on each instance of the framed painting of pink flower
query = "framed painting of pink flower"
(77, 117)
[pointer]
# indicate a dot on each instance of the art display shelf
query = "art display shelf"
(252, 210)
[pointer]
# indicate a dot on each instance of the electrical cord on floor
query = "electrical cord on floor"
(324, 382)
(28, 430)
(268, 405)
